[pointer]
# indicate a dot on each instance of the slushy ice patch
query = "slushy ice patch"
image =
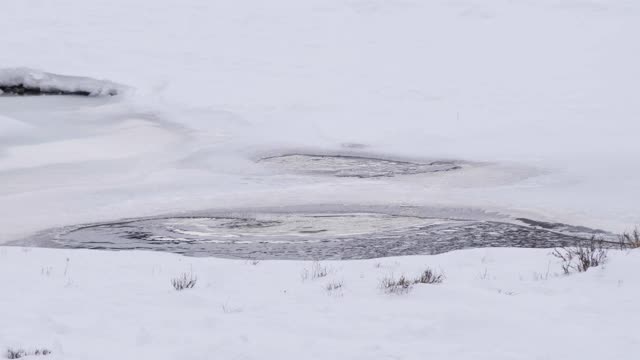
(306, 236)
(354, 166)
(23, 81)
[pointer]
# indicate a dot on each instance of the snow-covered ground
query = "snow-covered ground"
(493, 304)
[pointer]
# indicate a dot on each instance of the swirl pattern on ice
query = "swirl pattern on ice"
(354, 166)
(310, 235)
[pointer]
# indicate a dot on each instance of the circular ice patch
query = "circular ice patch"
(354, 166)
(330, 235)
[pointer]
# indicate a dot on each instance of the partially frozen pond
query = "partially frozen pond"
(354, 166)
(309, 235)
(81, 155)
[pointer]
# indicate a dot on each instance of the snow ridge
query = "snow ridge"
(28, 81)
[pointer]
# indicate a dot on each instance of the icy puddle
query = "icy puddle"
(307, 236)
(354, 166)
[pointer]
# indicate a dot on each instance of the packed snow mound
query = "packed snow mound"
(24, 81)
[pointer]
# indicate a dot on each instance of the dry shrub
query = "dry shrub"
(334, 288)
(581, 257)
(184, 281)
(390, 285)
(429, 277)
(19, 353)
(403, 285)
(317, 271)
(630, 240)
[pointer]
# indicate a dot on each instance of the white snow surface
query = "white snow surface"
(11, 127)
(493, 304)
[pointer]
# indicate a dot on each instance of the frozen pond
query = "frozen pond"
(312, 235)
(354, 166)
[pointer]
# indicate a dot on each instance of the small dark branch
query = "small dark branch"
(184, 281)
(630, 240)
(318, 270)
(390, 285)
(19, 353)
(566, 259)
(403, 285)
(429, 277)
(581, 257)
(334, 286)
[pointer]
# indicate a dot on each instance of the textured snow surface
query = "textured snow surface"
(494, 304)
(52, 83)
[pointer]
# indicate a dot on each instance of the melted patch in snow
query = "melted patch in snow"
(355, 166)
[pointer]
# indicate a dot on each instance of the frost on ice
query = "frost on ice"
(24, 81)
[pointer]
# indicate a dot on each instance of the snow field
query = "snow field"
(493, 304)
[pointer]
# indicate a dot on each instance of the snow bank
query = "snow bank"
(494, 304)
(24, 81)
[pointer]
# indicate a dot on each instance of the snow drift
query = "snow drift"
(24, 81)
